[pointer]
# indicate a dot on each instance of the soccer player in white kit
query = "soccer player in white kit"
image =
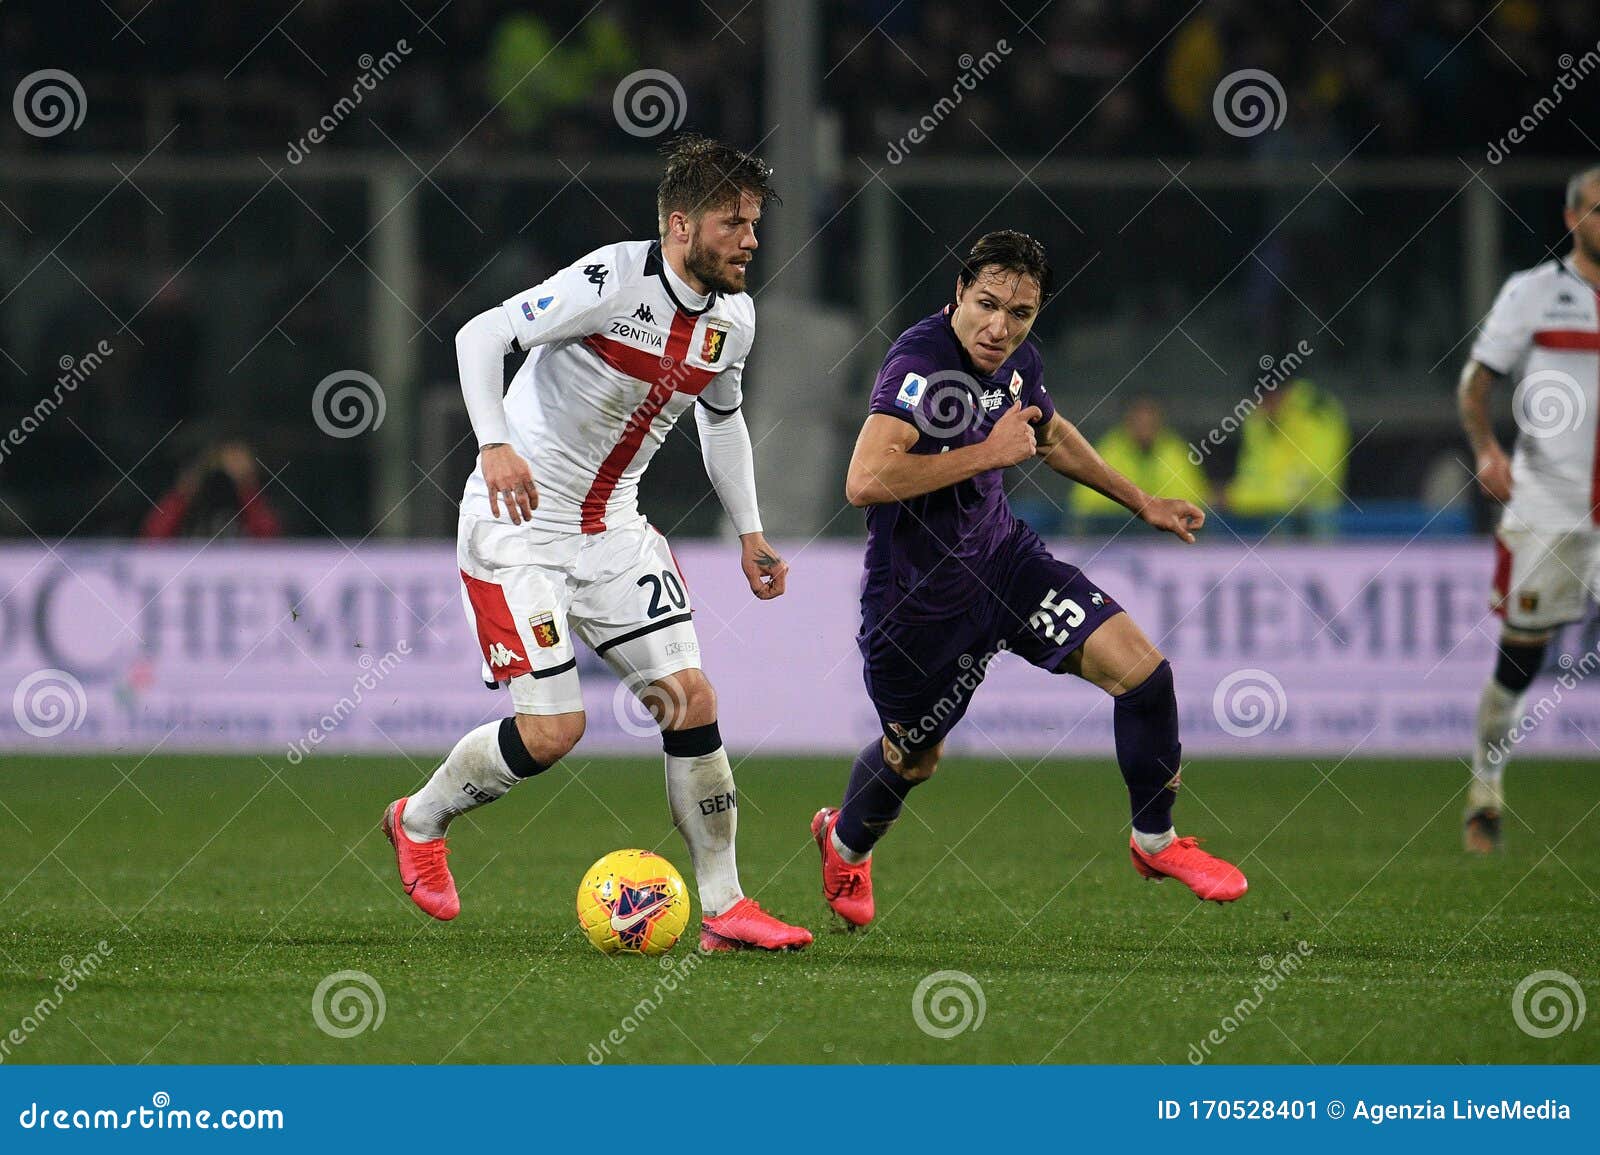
(552, 547)
(1544, 334)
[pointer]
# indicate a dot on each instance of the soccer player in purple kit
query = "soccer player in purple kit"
(952, 577)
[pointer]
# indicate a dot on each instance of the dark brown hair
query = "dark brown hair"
(704, 174)
(1010, 252)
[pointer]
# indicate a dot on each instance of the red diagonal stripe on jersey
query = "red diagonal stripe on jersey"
(666, 368)
(1583, 340)
(662, 385)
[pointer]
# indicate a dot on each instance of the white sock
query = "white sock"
(705, 809)
(474, 773)
(1499, 711)
(853, 857)
(1154, 843)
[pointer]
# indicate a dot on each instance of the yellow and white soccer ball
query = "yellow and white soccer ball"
(633, 902)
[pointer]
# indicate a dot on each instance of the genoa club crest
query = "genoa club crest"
(543, 628)
(716, 336)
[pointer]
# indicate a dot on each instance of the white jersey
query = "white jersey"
(620, 348)
(1544, 334)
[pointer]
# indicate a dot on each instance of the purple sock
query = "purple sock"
(872, 801)
(1145, 720)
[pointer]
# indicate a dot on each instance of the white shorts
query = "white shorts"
(527, 593)
(1543, 580)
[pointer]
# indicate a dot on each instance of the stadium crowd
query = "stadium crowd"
(1434, 75)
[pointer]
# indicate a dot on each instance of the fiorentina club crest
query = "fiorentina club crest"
(638, 906)
(1016, 385)
(716, 336)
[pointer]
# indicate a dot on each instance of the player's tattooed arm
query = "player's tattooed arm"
(767, 573)
(1069, 453)
(1492, 466)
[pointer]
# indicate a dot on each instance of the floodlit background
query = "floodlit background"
(235, 247)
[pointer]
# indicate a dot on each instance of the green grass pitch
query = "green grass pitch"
(228, 888)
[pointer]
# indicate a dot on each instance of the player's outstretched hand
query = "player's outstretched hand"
(1012, 438)
(1494, 474)
(1174, 515)
(766, 572)
(510, 481)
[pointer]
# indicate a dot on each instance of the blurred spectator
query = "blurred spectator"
(1292, 457)
(217, 494)
(1144, 449)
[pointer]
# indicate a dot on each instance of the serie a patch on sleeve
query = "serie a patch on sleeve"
(911, 391)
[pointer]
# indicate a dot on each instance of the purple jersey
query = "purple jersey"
(932, 557)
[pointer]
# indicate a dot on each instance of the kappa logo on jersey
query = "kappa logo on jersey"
(543, 629)
(1016, 385)
(911, 391)
(643, 313)
(531, 310)
(716, 336)
(1097, 598)
(499, 655)
(597, 277)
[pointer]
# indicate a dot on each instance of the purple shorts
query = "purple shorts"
(921, 675)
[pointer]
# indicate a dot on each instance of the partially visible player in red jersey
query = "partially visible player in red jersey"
(552, 547)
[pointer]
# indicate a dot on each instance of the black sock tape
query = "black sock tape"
(1518, 663)
(694, 742)
(522, 763)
